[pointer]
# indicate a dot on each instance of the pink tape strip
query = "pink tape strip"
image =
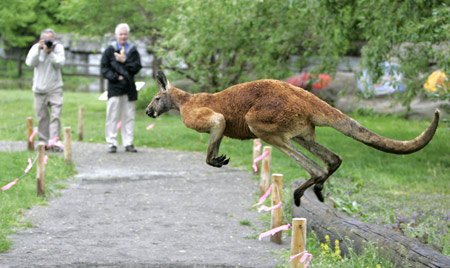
(266, 208)
(258, 146)
(51, 142)
(264, 197)
(150, 126)
(32, 135)
(45, 159)
(274, 231)
(30, 165)
(9, 185)
(119, 124)
(259, 158)
(303, 258)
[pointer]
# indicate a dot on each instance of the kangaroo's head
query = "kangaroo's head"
(162, 102)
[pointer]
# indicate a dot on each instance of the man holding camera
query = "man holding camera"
(47, 57)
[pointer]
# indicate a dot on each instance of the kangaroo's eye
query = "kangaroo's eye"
(157, 98)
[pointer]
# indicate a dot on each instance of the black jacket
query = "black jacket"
(111, 69)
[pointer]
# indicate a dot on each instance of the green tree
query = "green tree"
(221, 43)
(413, 33)
(21, 22)
(95, 18)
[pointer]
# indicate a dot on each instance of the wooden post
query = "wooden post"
(256, 152)
(265, 170)
(29, 132)
(277, 214)
(298, 241)
(40, 174)
(67, 145)
(80, 123)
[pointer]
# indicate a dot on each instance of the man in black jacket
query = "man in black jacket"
(120, 62)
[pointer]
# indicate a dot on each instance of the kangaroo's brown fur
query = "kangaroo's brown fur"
(276, 112)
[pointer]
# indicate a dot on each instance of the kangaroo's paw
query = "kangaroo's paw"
(298, 193)
(219, 161)
(318, 191)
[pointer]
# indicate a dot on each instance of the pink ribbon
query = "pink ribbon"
(51, 142)
(303, 258)
(274, 231)
(150, 126)
(266, 208)
(45, 159)
(264, 196)
(258, 146)
(30, 165)
(119, 124)
(9, 185)
(259, 158)
(32, 135)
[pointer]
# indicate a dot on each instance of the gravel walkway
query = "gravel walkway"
(156, 208)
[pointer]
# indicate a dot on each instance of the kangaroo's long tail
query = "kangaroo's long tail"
(352, 128)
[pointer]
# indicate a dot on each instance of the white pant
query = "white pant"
(49, 125)
(118, 108)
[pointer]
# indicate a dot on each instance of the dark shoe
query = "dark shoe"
(130, 148)
(112, 149)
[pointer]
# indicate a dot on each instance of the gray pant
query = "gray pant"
(119, 108)
(48, 110)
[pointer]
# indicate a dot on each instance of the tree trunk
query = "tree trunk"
(403, 251)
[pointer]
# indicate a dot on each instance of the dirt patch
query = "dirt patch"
(156, 208)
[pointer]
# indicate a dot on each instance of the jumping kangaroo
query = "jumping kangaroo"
(276, 112)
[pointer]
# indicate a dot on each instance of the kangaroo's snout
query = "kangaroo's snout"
(150, 113)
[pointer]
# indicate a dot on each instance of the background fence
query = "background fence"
(18, 75)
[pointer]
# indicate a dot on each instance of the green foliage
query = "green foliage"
(87, 17)
(327, 254)
(222, 43)
(413, 33)
(22, 21)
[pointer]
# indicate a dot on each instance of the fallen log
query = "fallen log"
(403, 251)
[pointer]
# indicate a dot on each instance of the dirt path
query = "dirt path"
(156, 208)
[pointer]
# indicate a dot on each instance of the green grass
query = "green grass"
(23, 195)
(409, 193)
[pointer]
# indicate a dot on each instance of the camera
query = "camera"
(48, 43)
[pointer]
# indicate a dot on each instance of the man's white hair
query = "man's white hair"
(122, 26)
(48, 30)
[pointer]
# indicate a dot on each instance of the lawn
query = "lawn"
(409, 193)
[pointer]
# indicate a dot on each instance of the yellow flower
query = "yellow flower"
(327, 238)
(325, 248)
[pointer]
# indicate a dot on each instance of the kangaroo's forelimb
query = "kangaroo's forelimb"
(207, 121)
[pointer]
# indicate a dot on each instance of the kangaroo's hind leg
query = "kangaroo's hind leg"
(331, 160)
(316, 172)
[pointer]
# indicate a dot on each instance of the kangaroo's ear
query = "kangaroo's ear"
(163, 83)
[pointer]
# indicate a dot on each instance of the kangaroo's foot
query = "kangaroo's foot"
(318, 191)
(219, 161)
(298, 193)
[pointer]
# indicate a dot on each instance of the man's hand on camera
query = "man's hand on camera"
(120, 77)
(41, 44)
(47, 49)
